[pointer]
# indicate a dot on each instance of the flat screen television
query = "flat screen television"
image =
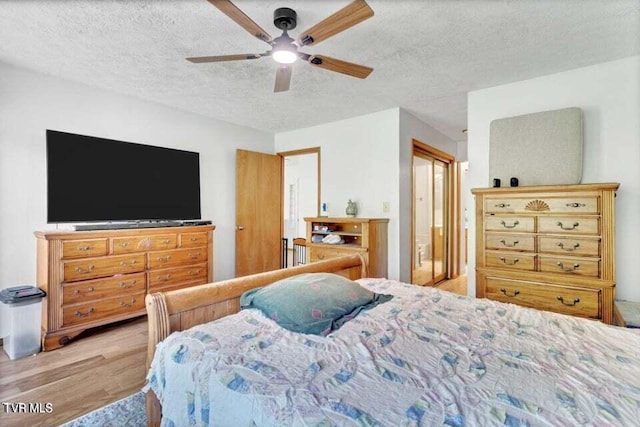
(92, 179)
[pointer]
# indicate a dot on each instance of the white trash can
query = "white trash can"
(23, 314)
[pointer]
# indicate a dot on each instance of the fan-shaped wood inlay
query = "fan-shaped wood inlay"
(537, 205)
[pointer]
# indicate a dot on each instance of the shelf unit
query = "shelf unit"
(367, 236)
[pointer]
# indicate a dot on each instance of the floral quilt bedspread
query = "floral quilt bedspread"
(427, 357)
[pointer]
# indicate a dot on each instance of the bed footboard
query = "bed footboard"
(183, 308)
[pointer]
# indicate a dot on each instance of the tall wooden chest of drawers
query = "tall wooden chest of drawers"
(93, 278)
(366, 236)
(548, 247)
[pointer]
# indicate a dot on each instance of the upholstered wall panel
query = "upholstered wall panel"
(539, 149)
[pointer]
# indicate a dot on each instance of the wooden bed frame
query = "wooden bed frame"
(181, 309)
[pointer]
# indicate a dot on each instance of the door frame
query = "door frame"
(452, 220)
(300, 152)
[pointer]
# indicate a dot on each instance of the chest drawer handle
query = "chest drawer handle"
(79, 314)
(123, 244)
(570, 304)
(194, 255)
(575, 246)
(127, 264)
(124, 304)
(515, 293)
(563, 268)
(573, 227)
(166, 241)
(193, 239)
(576, 205)
(194, 272)
(514, 262)
(124, 285)
(85, 248)
(85, 270)
(515, 224)
(502, 205)
(89, 289)
(164, 258)
(515, 242)
(164, 278)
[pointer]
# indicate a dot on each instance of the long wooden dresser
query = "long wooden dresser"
(366, 236)
(548, 247)
(93, 278)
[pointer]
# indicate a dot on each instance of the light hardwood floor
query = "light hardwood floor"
(93, 371)
(88, 373)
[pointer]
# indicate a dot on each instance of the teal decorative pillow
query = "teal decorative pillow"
(312, 303)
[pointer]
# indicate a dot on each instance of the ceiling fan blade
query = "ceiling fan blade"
(222, 58)
(339, 66)
(346, 17)
(283, 79)
(240, 18)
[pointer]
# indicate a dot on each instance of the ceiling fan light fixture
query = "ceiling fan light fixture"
(284, 56)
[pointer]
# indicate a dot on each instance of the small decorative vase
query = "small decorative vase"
(352, 208)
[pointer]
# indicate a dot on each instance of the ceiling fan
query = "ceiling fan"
(284, 49)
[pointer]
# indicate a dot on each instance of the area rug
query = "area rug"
(129, 412)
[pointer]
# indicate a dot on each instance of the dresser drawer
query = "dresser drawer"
(84, 248)
(574, 301)
(569, 245)
(190, 240)
(91, 268)
(510, 241)
(572, 225)
(587, 204)
(510, 223)
(172, 276)
(89, 290)
(176, 257)
(570, 265)
(323, 253)
(123, 245)
(511, 260)
(102, 309)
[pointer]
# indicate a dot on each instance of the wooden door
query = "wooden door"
(258, 212)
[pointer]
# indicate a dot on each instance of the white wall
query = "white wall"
(410, 128)
(359, 161)
(30, 103)
(609, 95)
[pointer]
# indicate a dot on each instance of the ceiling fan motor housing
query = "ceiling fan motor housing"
(285, 18)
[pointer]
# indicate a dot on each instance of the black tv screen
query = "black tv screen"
(95, 179)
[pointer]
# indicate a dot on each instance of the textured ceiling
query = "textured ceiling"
(426, 54)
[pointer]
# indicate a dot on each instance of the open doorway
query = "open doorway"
(432, 214)
(301, 198)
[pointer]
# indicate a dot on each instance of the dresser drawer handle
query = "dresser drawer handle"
(562, 267)
(575, 246)
(85, 248)
(164, 278)
(194, 255)
(124, 304)
(320, 256)
(194, 272)
(515, 242)
(164, 258)
(166, 241)
(124, 285)
(193, 239)
(514, 262)
(85, 270)
(123, 244)
(576, 205)
(515, 293)
(502, 205)
(570, 304)
(515, 224)
(79, 314)
(573, 227)
(127, 264)
(89, 289)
